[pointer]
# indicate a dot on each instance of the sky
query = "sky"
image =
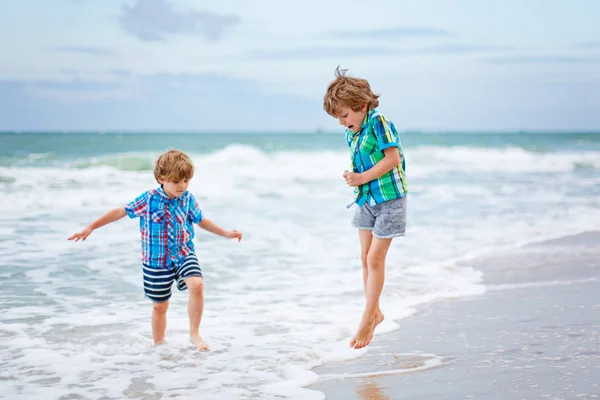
(264, 65)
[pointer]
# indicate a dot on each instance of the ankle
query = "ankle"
(371, 312)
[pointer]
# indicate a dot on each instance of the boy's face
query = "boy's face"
(175, 189)
(352, 119)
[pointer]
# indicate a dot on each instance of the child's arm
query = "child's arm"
(111, 216)
(389, 143)
(195, 215)
(386, 164)
(215, 229)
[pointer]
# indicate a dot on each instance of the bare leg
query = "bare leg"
(376, 266)
(195, 286)
(159, 321)
(366, 237)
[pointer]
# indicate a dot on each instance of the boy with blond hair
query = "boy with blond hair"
(378, 177)
(167, 216)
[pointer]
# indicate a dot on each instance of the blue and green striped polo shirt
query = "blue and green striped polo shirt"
(366, 147)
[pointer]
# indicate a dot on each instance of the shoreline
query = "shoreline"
(534, 333)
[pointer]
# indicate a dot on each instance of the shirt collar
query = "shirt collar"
(368, 116)
(365, 122)
(161, 192)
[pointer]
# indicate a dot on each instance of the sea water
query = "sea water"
(74, 323)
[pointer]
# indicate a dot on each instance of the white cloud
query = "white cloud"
(156, 20)
(429, 59)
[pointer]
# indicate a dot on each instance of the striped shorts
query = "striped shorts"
(158, 281)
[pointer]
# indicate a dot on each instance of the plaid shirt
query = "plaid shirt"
(166, 225)
(366, 147)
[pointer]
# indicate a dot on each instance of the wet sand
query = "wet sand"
(534, 334)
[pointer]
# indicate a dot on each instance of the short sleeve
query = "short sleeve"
(194, 211)
(385, 132)
(138, 207)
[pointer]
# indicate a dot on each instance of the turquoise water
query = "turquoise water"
(285, 299)
(69, 145)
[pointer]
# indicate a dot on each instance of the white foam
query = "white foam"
(286, 299)
(504, 160)
(527, 285)
(430, 361)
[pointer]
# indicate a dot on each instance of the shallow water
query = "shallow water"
(74, 322)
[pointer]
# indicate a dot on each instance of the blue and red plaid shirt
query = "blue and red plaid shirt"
(166, 225)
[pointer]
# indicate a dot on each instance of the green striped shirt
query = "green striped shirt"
(366, 147)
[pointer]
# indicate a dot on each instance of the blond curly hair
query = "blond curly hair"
(346, 91)
(173, 166)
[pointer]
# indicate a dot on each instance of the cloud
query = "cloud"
(76, 85)
(118, 72)
(80, 91)
(589, 45)
(407, 31)
(154, 20)
(94, 51)
(167, 102)
(352, 51)
(558, 59)
(456, 48)
(320, 52)
(68, 72)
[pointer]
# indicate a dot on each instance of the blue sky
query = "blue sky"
(263, 65)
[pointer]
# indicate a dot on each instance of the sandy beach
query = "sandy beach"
(534, 334)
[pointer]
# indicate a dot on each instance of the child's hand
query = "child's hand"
(82, 235)
(353, 178)
(234, 235)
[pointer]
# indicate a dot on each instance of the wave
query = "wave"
(7, 179)
(123, 162)
(468, 159)
(315, 166)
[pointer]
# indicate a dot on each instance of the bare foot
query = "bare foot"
(364, 334)
(379, 317)
(160, 343)
(198, 342)
(365, 330)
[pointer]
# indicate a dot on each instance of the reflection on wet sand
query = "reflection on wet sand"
(371, 391)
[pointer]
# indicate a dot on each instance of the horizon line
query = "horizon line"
(295, 132)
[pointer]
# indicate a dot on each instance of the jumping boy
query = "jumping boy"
(167, 217)
(378, 178)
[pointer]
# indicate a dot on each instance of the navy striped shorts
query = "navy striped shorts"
(158, 281)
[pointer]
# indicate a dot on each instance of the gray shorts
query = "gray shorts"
(386, 220)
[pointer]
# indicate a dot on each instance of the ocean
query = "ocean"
(75, 324)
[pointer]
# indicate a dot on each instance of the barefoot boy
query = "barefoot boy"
(167, 217)
(378, 178)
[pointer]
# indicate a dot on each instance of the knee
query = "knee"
(364, 258)
(375, 261)
(195, 285)
(161, 308)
